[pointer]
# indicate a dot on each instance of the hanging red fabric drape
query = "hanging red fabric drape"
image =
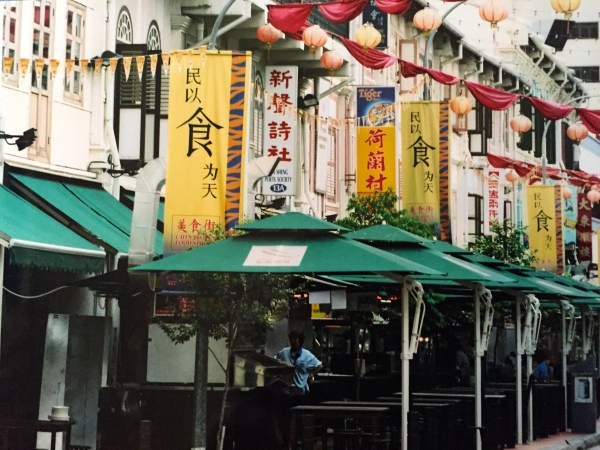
(550, 110)
(342, 11)
(492, 98)
(298, 34)
(591, 119)
(372, 59)
(290, 17)
(502, 162)
(409, 70)
(398, 7)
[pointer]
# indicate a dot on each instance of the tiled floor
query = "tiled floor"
(558, 442)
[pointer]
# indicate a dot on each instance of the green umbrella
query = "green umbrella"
(299, 244)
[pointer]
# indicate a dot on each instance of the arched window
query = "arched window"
(124, 27)
(153, 38)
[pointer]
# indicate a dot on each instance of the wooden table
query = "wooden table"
(309, 412)
(56, 426)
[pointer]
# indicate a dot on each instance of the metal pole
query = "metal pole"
(519, 382)
(478, 355)
(212, 43)
(429, 42)
(405, 366)
(530, 400)
(564, 360)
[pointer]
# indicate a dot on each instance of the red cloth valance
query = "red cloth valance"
(591, 119)
(343, 11)
(394, 6)
(290, 17)
(550, 110)
(411, 70)
(492, 98)
(502, 162)
(373, 59)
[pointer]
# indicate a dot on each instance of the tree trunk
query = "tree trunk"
(200, 389)
(221, 434)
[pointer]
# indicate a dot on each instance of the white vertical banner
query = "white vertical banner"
(280, 128)
(323, 148)
(493, 199)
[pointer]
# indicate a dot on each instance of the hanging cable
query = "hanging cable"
(39, 295)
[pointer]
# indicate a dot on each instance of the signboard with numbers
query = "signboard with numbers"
(280, 128)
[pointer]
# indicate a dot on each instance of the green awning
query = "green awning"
(91, 207)
(37, 240)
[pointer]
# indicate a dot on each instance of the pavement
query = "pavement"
(566, 441)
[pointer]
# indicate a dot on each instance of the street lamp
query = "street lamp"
(22, 141)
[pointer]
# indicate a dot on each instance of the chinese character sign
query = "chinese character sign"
(280, 128)
(544, 223)
(376, 139)
(584, 228)
(426, 163)
(493, 199)
(207, 123)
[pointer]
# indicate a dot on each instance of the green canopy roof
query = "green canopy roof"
(385, 233)
(37, 240)
(291, 221)
(275, 252)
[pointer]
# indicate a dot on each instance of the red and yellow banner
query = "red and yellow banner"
(207, 123)
(426, 163)
(376, 140)
(544, 223)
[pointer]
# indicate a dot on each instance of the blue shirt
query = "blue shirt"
(541, 371)
(304, 363)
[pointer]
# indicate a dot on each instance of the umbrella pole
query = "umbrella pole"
(563, 327)
(518, 377)
(405, 365)
(530, 400)
(478, 420)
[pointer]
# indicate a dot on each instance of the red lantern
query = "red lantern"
(593, 195)
(268, 34)
(331, 61)
(461, 105)
(493, 11)
(314, 37)
(577, 132)
(367, 36)
(427, 20)
(511, 176)
(520, 124)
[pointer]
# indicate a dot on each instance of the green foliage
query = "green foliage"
(229, 305)
(506, 243)
(364, 211)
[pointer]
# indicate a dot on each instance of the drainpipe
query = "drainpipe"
(478, 71)
(499, 83)
(517, 87)
(108, 98)
(456, 58)
(145, 211)
(305, 171)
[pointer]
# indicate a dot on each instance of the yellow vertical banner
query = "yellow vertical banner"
(207, 137)
(376, 139)
(426, 163)
(544, 223)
